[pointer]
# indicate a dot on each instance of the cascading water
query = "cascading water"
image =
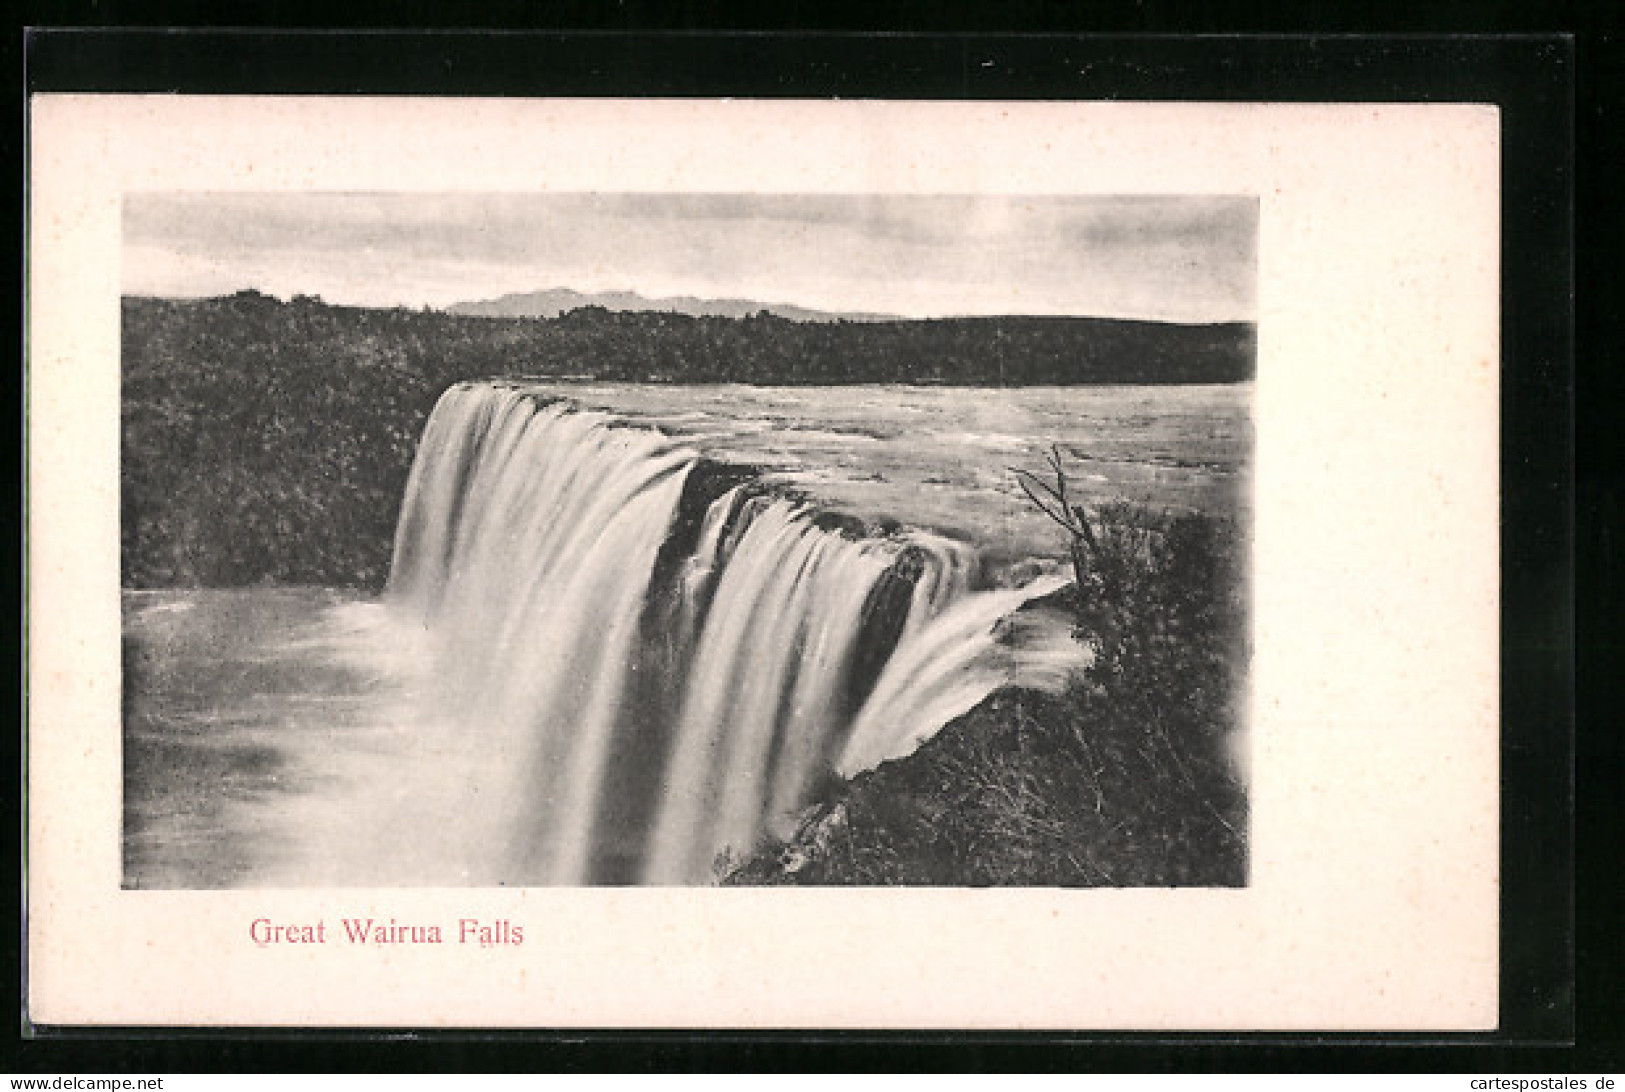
(642, 666)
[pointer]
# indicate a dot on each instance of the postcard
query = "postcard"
(539, 563)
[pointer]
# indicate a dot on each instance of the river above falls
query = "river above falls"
(307, 736)
(941, 458)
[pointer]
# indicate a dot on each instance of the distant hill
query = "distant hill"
(554, 302)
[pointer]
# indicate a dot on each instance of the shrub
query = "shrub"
(1123, 781)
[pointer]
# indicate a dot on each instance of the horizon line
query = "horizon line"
(867, 317)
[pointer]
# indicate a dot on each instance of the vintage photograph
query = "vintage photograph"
(580, 539)
(593, 563)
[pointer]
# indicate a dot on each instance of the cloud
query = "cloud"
(1190, 258)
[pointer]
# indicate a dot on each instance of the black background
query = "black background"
(1560, 1012)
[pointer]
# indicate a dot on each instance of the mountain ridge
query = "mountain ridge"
(553, 302)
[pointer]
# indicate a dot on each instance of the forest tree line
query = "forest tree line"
(270, 441)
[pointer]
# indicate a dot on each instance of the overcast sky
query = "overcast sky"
(1186, 259)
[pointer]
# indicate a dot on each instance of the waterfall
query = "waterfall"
(642, 664)
(764, 687)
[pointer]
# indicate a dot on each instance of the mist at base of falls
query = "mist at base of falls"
(602, 658)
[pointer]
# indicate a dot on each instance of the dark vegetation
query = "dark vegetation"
(271, 441)
(1125, 780)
